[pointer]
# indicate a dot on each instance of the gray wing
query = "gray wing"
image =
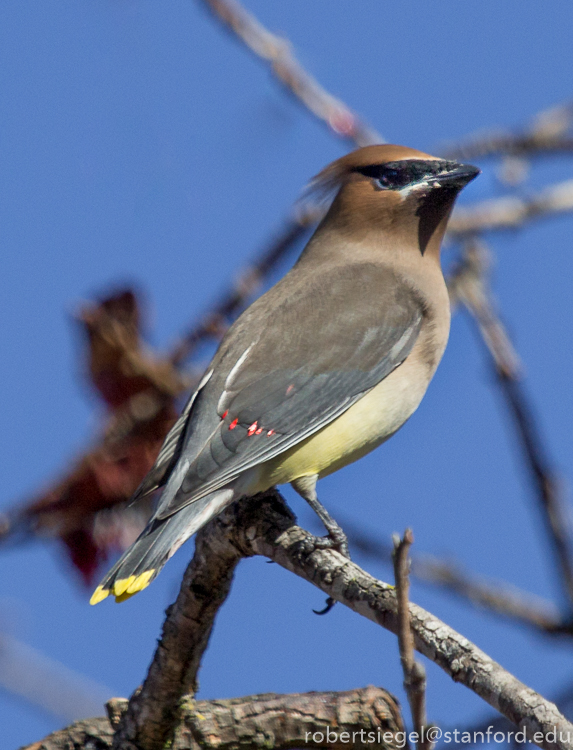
(170, 450)
(296, 360)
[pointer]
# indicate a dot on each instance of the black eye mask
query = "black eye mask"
(395, 175)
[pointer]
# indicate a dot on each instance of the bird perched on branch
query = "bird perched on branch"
(321, 369)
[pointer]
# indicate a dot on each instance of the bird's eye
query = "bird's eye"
(388, 179)
(392, 178)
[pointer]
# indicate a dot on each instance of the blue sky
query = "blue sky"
(140, 143)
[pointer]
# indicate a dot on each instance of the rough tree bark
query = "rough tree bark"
(370, 715)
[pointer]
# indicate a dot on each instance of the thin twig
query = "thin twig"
(277, 52)
(414, 672)
(469, 286)
(498, 597)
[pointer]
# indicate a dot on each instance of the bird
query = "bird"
(321, 369)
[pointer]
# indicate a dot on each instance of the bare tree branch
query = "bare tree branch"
(264, 525)
(511, 212)
(414, 672)
(293, 548)
(299, 720)
(364, 716)
(470, 287)
(277, 52)
(547, 134)
(497, 596)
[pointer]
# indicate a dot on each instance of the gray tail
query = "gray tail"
(160, 539)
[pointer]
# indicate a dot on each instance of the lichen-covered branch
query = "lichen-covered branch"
(477, 731)
(92, 734)
(264, 525)
(366, 716)
(299, 720)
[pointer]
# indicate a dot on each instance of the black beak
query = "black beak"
(457, 176)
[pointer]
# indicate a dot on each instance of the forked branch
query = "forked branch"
(264, 525)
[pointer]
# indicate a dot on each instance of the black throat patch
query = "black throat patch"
(432, 208)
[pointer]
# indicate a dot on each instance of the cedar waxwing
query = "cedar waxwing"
(321, 369)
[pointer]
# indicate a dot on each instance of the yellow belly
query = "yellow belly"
(367, 424)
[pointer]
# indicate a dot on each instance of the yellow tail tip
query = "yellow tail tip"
(123, 598)
(141, 582)
(121, 585)
(127, 587)
(99, 595)
(124, 588)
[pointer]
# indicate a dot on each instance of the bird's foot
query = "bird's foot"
(336, 539)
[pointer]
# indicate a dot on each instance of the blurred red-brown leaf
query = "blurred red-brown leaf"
(86, 510)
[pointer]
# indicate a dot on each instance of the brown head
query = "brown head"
(392, 193)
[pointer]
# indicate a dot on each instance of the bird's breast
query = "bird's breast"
(367, 424)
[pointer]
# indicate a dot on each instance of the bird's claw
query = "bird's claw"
(330, 602)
